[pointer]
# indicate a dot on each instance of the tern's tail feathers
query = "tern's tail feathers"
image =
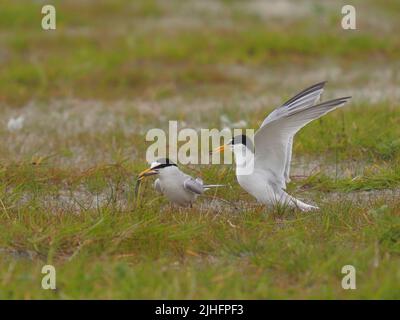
(295, 203)
(209, 186)
(304, 206)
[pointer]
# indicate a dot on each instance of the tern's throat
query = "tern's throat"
(244, 159)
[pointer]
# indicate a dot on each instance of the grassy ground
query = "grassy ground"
(89, 92)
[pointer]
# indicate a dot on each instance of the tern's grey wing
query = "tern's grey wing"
(303, 99)
(194, 185)
(157, 186)
(271, 141)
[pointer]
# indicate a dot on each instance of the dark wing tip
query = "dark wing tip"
(315, 87)
(343, 99)
(334, 102)
(322, 83)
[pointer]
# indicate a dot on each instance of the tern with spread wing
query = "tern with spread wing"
(262, 168)
(177, 186)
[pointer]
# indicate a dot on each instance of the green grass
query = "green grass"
(90, 91)
(107, 253)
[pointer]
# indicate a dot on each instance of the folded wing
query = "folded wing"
(157, 186)
(194, 185)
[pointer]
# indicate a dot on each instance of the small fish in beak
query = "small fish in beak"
(146, 173)
(141, 176)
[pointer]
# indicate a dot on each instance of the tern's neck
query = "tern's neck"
(244, 159)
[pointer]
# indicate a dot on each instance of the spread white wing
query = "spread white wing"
(303, 99)
(272, 139)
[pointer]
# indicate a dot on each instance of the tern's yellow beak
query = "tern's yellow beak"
(146, 173)
(219, 149)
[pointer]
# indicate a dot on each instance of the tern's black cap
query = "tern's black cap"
(244, 140)
(163, 163)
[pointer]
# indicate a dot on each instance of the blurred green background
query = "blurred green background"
(155, 49)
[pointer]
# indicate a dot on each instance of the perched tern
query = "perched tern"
(270, 156)
(177, 186)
